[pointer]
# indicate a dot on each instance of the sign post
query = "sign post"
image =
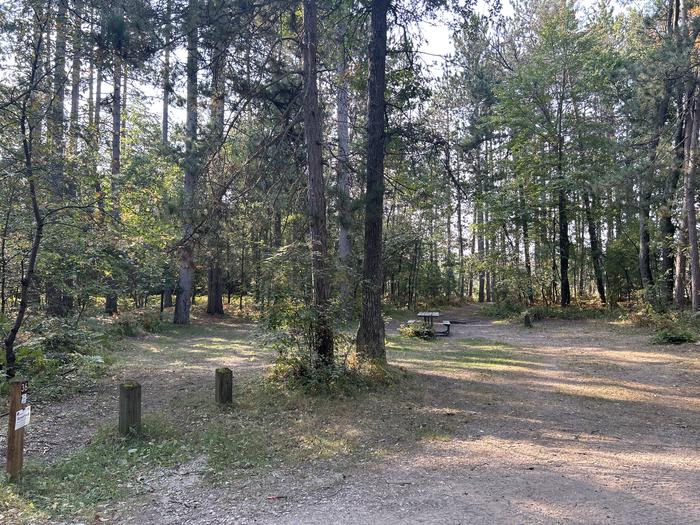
(20, 414)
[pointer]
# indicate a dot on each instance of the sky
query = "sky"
(436, 45)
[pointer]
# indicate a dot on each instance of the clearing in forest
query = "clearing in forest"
(572, 421)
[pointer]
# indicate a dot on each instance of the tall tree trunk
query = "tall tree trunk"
(183, 300)
(74, 132)
(58, 178)
(215, 282)
(58, 301)
(681, 261)
(460, 241)
(343, 175)
(370, 335)
(323, 333)
(690, 197)
(481, 248)
(524, 220)
(167, 87)
(97, 123)
(111, 300)
(596, 252)
(165, 121)
(564, 244)
(645, 191)
(668, 229)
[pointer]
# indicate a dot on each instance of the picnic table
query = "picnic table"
(428, 316)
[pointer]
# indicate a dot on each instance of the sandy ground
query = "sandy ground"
(586, 423)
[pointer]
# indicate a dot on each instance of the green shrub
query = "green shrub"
(417, 329)
(570, 313)
(135, 323)
(297, 367)
(502, 310)
(674, 336)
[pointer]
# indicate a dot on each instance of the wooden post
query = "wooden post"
(129, 408)
(224, 386)
(19, 389)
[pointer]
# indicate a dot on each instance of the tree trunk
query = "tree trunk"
(166, 73)
(58, 181)
(343, 175)
(526, 245)
(75, 86)
(370, 335)
(215, 285)
(668, 230)
(183, 300)
(95, 139)
(689, 194)
(645, 191)
(323, 333)
(215, 290)
(681, 261)
(111, 300)
(596, 253)
(460, 241)
(58, 301)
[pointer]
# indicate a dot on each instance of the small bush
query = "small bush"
(417, 329)
(298, 368)
(132, 324)
(674, 336)
(569, 313)
(502, 310)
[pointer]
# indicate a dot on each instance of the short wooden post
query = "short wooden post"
(129, 408)
(224, 386)
(18, 417)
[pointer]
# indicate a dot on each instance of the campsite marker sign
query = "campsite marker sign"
(20, 415)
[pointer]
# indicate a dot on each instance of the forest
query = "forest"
(187, 182)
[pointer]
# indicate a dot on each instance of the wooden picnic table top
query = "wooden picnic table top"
(428, 314)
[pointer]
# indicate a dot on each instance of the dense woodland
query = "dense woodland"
(309, 161)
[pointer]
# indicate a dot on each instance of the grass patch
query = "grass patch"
(15, 508)
(272, 423)
(455, 354)
(110, 469)
(674, 336)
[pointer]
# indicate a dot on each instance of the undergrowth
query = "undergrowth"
(421, 330)
(574, 312)
(671, 327)
(110, 468)
(59, 358)
(297, 367)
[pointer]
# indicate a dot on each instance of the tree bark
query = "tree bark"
(58, 301)
(689, 198)
(111, 299)
(596, 252)
(77, 45)
(215, 283)
(323, 333)
(668, 229)
(343, 176)
(524, 219)
(166, 73)
(370, 335)
(183, 300)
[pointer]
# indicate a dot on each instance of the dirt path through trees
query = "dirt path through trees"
(569, 422)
